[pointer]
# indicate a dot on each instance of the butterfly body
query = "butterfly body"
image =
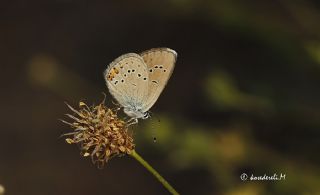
(133, 112)
(137, 80)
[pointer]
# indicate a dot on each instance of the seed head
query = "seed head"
(99, 132)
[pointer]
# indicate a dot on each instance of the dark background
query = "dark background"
(243, 98)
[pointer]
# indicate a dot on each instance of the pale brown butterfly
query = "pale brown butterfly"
(137, 80)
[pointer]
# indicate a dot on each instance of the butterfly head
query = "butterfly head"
(136, 113)
(146, 115)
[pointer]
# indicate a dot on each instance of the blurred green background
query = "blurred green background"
(243, 98)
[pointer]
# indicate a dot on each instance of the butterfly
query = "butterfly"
(137, 80)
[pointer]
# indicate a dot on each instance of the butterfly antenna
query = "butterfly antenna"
(154, 130)
(152, 114)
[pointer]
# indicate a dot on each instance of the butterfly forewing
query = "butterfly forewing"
(127, 80)
(160, 63)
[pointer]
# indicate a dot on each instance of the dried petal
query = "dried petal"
(86, 154)
(122, 149)
(69, 141)
(82, 104)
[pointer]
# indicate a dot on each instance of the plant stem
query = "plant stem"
(136, 156)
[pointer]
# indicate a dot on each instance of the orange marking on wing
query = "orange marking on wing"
(112, 73)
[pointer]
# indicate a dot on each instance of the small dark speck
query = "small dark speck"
(164, 70)
(139, 75)
(122, 80)
(144, 78)
(156, 67)
(125, 75)
(133, 70)
(161, 67)
(150, 70)
(115, 82)
(129, 71)
(155, 81)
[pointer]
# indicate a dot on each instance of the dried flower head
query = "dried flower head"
(99, 133)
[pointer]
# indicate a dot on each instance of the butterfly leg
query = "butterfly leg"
(117, 109)
(132, 121)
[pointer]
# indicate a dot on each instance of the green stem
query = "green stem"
(136, 156)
